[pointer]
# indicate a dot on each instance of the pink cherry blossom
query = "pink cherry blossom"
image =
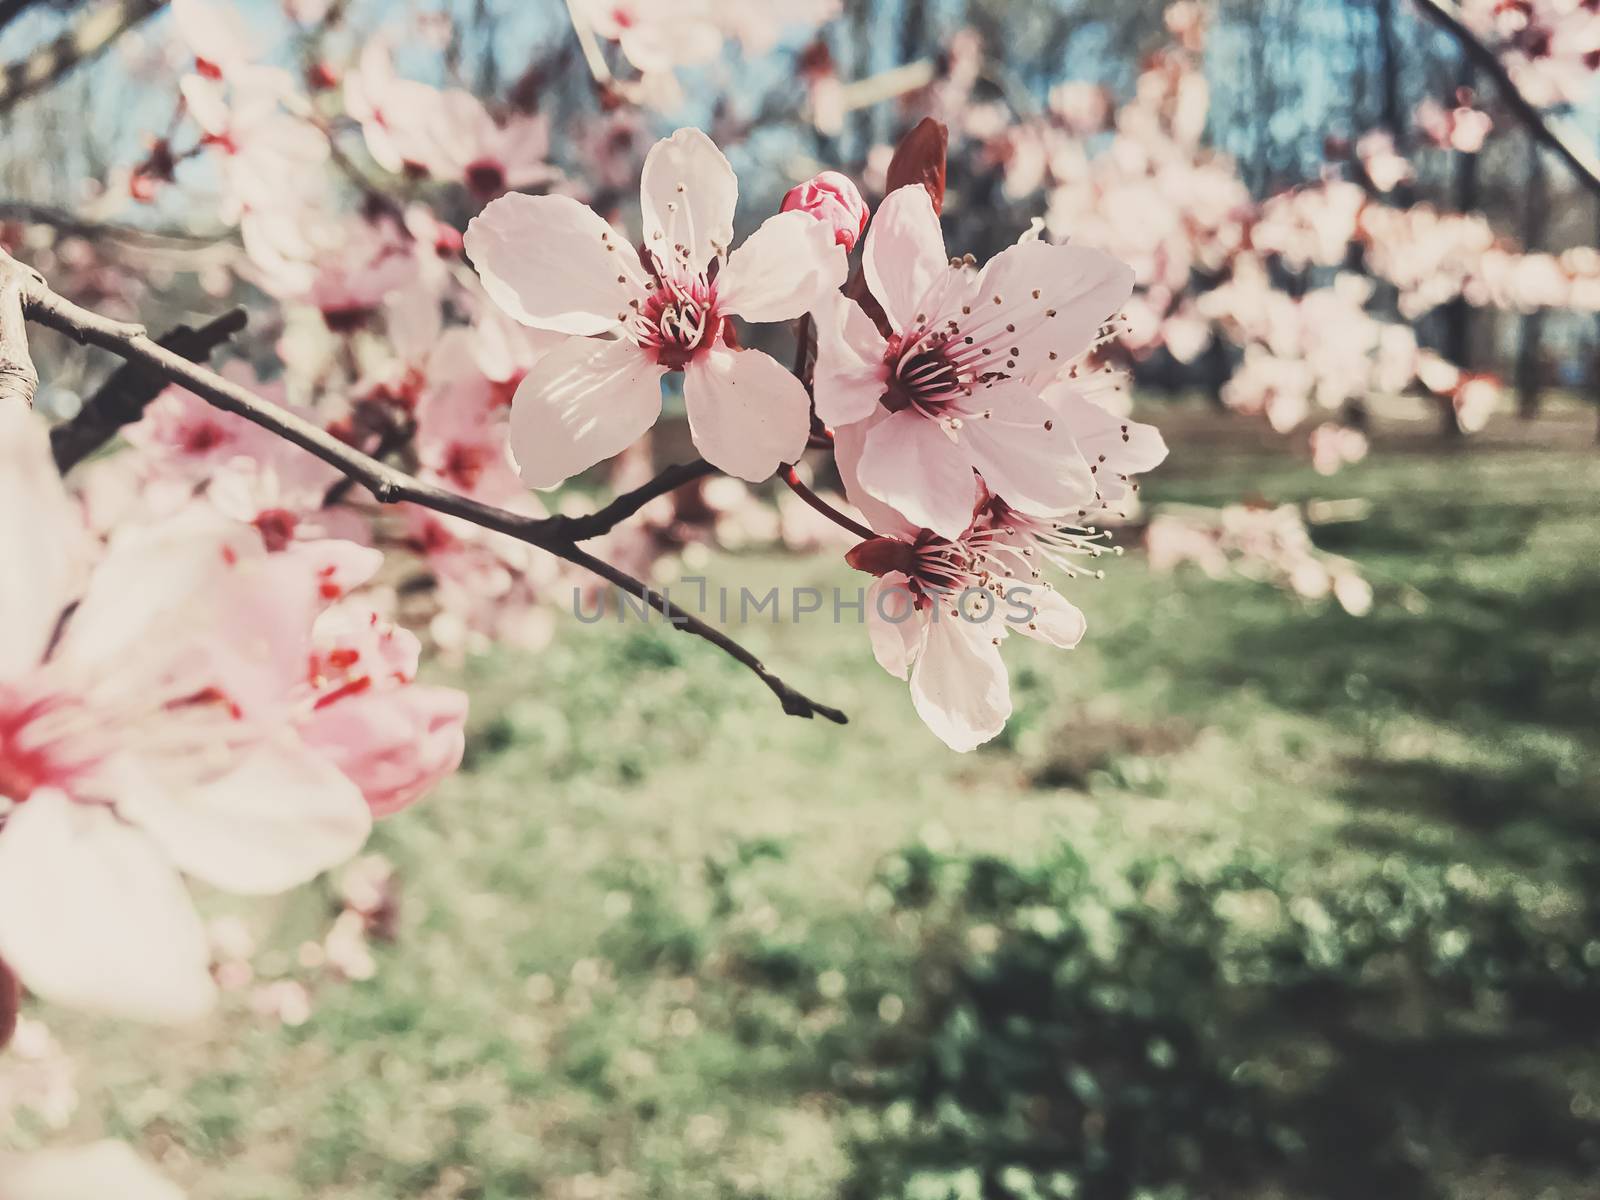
(449, 134)
(141, 737)
(632, 317)
(834, 200)
(945, 393)
(938, 613)
(394, 738)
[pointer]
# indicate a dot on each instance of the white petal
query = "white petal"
(552, 263)
(783, 269)
(1115, 446)
(582, 403)
(93, 916)
(151, 584)
(851, 372)
(1057, 297)
(101, 1169)
(746, 412)
(905, 254)
(849, 444)
(1037, 610)
(910, 464)
(1025, 454)
(688, 193)
(892, 624)
(41, 542)
(959, 685)
(281, 817)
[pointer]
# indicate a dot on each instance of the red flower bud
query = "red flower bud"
(832, 199)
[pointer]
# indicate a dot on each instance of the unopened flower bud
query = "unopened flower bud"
(832, 199)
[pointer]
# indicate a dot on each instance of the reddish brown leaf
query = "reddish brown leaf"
(920, 158)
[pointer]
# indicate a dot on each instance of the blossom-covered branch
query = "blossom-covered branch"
(557, 535)
(1581, 160)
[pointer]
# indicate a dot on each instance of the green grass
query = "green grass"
(631, 931)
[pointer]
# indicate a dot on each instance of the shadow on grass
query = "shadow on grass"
(1528, 656)
(1398, 1117)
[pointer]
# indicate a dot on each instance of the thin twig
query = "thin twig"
(791, 477)
(68, 222)
(1580, 159)
(387, 484)
(582, 529)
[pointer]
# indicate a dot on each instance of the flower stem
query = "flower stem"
(790, 477)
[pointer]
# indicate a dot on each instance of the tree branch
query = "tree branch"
(581, 529)
(122, 399)
(70, 223)
(87, 37)
(19, 378)
(1580, 158)
(555, 535)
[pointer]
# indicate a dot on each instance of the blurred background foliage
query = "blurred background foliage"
(1254, 898)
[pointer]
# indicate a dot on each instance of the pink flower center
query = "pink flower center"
(933, 565)
(32, 756)
(925, 378)
(486, 179)
(678, 321)
(202, 436)
(276, 526)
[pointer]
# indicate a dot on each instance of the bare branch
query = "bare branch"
(581, 529)
(70, 223)
(88, 36)
(1580, 158)
(122, 399)
(555, 535)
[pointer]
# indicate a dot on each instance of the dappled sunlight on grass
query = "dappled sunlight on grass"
(645, 949)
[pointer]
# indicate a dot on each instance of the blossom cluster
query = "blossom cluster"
(951, 395)
(196, 696)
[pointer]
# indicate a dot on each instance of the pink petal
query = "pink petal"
(93, 916)
(1053, 619)
(905, 254)
(959, 686)
(582, 403)
(395, 745)
(746, 412)
(280, 818)
(1055, 297)
(892, 625)
(910, 464)
(1025, 454)
(1114, 445)
(784, 269)
(848, 445)
(552, 263)
(153, 582)
(851, 372)
(688, 193)
(41, 542)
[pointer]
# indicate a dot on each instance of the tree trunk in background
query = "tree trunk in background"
(913, 30)
(1389, 72)
(1390, 100)
(1530, 344)
(1458, 313)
